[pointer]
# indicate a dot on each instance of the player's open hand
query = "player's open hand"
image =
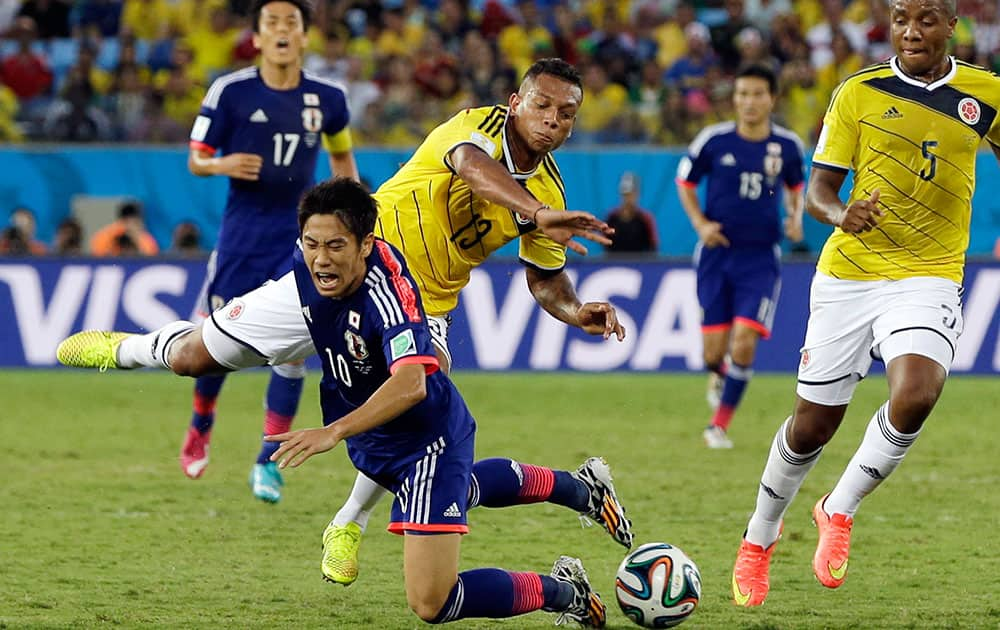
(710, 234)
(563, 226)
(241, 166)
(600, 318)
(862, 215)
(298, 446)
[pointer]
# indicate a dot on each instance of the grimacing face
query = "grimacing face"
(920, 33)
(335, 259)
(281, 34)
(544, 111)
(752, 100)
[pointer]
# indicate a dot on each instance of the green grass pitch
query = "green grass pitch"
(100, 528)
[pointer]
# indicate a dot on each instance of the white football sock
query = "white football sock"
(783, 476)
(365, 495)
(152, 349)
(881, 450)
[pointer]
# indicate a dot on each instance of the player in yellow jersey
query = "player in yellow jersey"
(887, 284)
(477, 182)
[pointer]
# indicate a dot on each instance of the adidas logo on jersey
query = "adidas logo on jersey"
(258, 116)
(891, 113)
(728, 160)
(453, 511)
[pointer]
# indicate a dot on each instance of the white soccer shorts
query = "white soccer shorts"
(853, 322)
(265, 326)
(438, 326)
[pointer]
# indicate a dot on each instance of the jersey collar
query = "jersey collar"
(905, 78)
(510, 161)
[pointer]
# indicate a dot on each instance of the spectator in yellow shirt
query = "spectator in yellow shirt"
(519, 42)
(212, 45)
(146, 19)
(603, 116)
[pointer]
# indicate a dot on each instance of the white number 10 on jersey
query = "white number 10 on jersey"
(284, 148)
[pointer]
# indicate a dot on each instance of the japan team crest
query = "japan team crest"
(969, 111)
(312, 119)
(356, 345)
(773, 161)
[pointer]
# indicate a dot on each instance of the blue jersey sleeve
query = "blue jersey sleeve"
(211, 127)
(406, 337)
(793, 172)
(339, 115)
(696, 164)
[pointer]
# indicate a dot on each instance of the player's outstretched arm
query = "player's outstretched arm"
(555, 293)
(823, 203)
(236, 165)
(490, 180)
(404, 389)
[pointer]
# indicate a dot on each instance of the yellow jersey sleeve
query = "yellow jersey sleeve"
(339, 142)
(535, 248)
(471, 127)
(839, 138)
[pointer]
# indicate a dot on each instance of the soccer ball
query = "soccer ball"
(657, 586)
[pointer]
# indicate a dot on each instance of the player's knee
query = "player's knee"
(910, 405)
(428, 605)
(189, 357)
(295, 370)
(813, 426)
(713, 364)
(742, 353)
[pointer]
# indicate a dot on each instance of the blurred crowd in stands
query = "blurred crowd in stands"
(125, 236)
(655, 71)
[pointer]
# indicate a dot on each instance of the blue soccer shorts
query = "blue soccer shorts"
(738, 285)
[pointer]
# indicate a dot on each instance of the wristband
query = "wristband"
(544, 206)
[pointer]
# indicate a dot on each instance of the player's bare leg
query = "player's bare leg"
(715, 347)
(915, 384)
(743, 340)
(794, 451)
(177, 347)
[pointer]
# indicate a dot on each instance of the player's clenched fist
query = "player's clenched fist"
(241, 166)
(862, 215)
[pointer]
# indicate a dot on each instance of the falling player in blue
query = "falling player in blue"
(351, 297)
(747, 162)
(268, 123)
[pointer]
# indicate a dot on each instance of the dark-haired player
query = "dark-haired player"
(888, 282)
(262, 127)
(752, 165)
(351, 297)
(478, 181)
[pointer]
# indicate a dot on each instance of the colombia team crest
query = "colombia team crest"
(969, 111)
(356, 345)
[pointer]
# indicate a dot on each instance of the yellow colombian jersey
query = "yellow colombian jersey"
(443, 229)
(916, 143)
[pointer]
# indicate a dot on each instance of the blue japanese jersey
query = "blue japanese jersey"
(745, 180)
(361, 339)
(240, 114)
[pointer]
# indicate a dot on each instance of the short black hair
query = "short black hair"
(557, 68)
(344, 198)
(130, 209)
(304, 7)
(761, 72)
